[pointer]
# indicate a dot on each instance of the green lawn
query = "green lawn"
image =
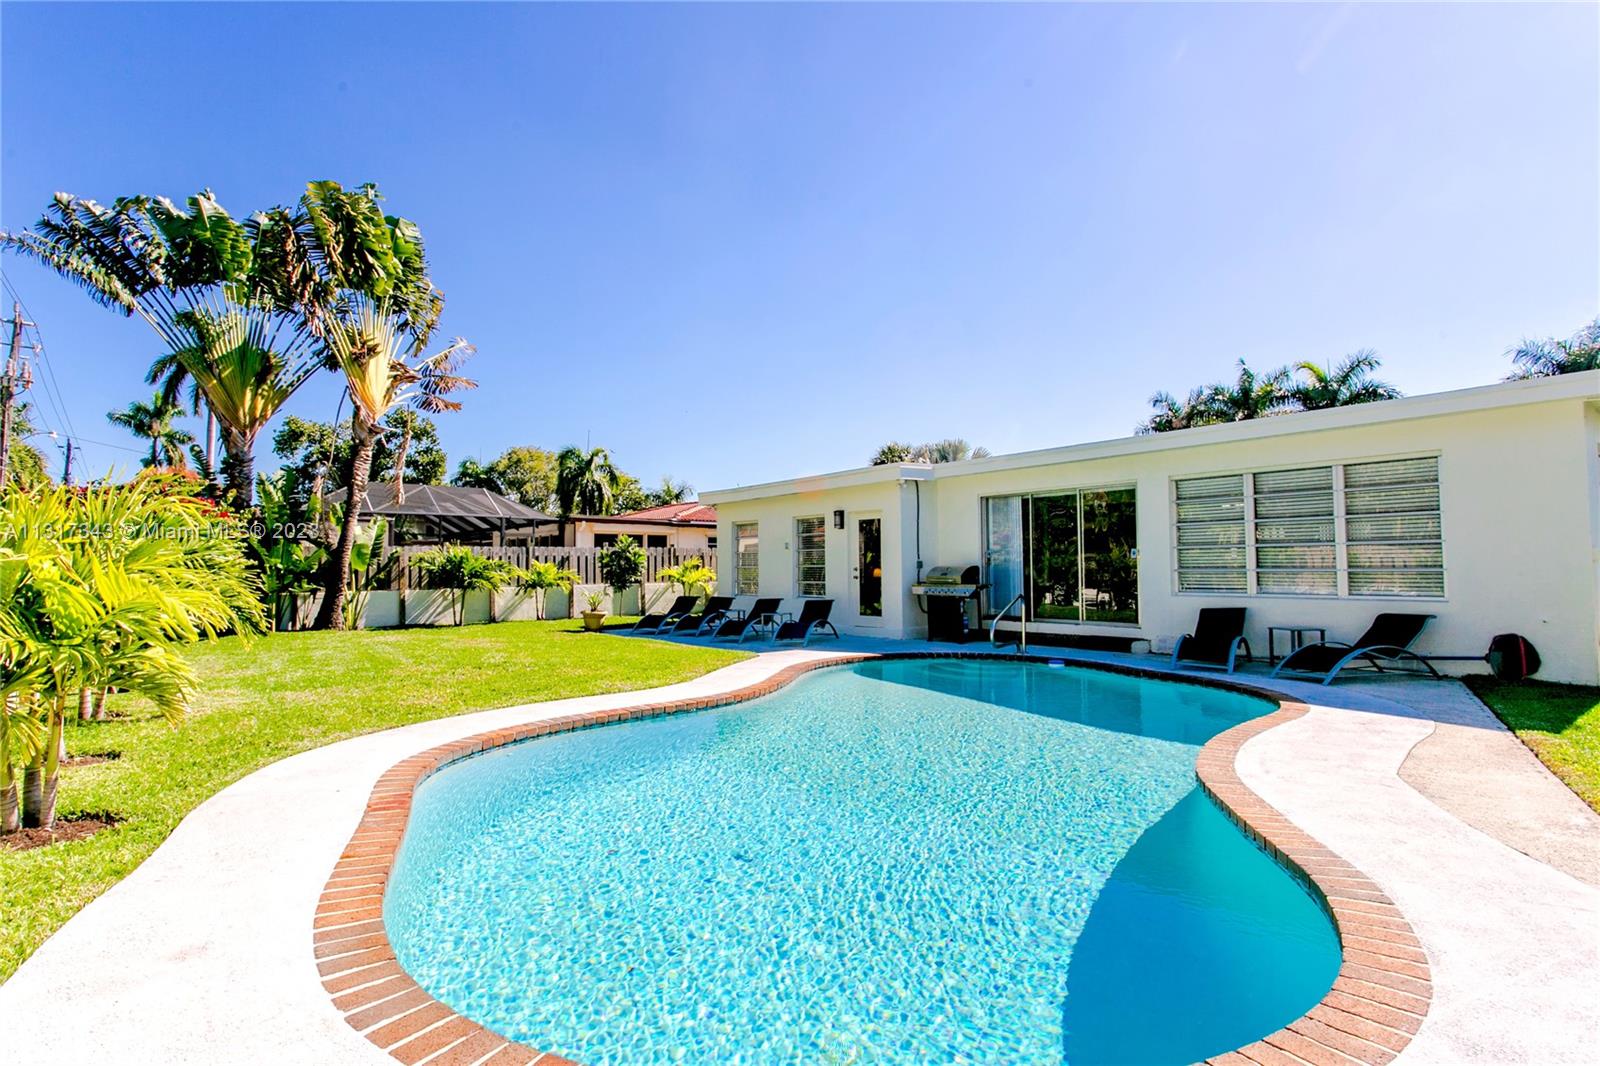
(284, 694)
(1561, 723)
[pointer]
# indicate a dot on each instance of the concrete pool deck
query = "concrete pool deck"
(203, 954)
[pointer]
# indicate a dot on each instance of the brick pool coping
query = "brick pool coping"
(1376, 1005)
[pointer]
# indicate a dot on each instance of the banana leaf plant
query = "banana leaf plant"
(370, 568)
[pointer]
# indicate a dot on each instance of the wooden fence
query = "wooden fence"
(585, 562)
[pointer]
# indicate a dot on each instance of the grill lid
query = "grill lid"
(950, 575)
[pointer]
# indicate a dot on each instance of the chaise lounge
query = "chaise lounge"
(761, 613)
(655, 623)
(1217, 638)
(813, 619)
(1387, 640)
(716, 610)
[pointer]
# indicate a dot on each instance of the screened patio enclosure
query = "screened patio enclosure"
(1070, 556)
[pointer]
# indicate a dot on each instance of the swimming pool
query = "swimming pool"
(898, 861)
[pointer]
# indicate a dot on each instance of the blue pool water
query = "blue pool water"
(898, 862)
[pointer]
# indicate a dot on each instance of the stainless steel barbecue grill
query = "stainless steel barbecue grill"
(949, 597)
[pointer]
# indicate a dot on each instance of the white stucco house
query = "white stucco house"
(1479, 506)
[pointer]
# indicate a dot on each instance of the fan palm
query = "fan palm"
(1349, 381)
(1547, 358)
(193, 274)
(152, 421)
(586, 481)
(384, 371)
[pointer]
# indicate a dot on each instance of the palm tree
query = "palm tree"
(670, 492)
(97, 589)
(586, 482)
(1348, 382)
(894, 451)
(384, 371)
(950, 450)
(1252, 395)
(1547, 358)
(208, 285)
(1171, 414)
(153, 422)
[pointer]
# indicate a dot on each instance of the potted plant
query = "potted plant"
(595, 617)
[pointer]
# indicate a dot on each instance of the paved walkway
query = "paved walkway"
(202, 955)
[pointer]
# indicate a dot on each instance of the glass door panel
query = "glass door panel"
(1053, 558)
(1003, 551)
(1110, 564)
(869, 567)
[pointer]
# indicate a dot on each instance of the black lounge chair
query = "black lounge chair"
(813, 618)
(1218, 635)
(654, 623)
(716, 610)
(1387, 640)
(761, 613)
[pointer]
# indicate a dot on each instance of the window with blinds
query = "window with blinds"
(1294, 521)
(747, 552)
(1395, 540)
(1211, 547)
(1360, 529)
(810, 556)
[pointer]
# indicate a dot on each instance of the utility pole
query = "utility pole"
(8, 390)
(66, 470)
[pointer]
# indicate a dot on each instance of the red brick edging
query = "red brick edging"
(1375, 1006)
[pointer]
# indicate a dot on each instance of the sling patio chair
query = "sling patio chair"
(1387, 640)
(716, 610)
(1218, 635)
(813, 619)
(762, 612)
(655, 623)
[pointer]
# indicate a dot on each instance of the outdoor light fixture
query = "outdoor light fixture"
(838, 520)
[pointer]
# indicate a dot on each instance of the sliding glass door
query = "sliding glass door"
(1074, 554)
(1003, 553)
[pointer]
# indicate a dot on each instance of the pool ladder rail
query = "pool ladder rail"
(1022, 633)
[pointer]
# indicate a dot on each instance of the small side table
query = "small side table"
(1297, 639)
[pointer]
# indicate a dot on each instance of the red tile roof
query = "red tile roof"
(693, 513)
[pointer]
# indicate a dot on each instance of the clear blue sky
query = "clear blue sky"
(732, 243)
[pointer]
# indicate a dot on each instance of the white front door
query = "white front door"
(866, 568)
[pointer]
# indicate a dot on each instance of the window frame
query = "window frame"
(739, 556)
(1342, 541)
(1078, 492)
(800, 551)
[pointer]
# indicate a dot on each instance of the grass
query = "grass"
(284, 694)
(1560, 723)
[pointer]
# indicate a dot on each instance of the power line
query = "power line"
(52, 387)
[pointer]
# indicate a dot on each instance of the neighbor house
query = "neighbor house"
(1481, 507)
(690, 529)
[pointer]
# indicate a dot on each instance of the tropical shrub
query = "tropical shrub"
(692, 576)
(98, 589)
(460, 570)
(622, 564)
(540, 577)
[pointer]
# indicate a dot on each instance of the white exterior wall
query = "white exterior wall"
(775, 517)
(1519, 489)
(1516, 506)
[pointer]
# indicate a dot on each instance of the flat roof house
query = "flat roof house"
(1480, 506)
